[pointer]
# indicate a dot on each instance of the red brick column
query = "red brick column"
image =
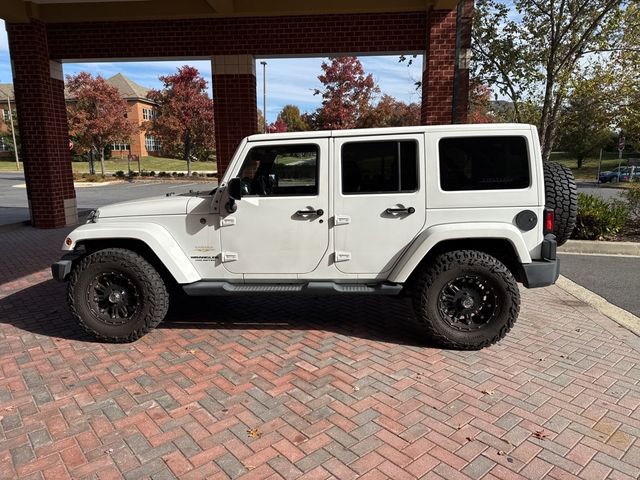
(437, 75)
(234, 104)
(42, 118)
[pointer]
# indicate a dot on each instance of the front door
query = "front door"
(281, 223)
(380, 203)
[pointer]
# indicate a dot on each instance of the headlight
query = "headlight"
(93, 216)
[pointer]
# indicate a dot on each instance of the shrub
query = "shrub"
(194, 174)
(119, 174)
(152, 173)
(181, 174)
(632, 197)
(163, 174)
(599, 219)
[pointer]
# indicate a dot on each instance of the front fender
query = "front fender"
(455, 231)
(153, 235)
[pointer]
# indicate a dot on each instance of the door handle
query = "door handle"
(302, 213)
(408, 210)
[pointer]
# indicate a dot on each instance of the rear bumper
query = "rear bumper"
(545, 272)
(61, 269)
(541, 273)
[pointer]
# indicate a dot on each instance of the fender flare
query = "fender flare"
(428, 239)
(156, 237)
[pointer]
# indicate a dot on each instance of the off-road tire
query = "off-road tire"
(431, 281)
(561, 194)
(153, 297)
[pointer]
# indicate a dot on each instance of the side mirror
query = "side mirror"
(235, 193)
(235, 188)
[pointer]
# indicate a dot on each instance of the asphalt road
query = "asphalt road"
(604, 191)
(615, 278)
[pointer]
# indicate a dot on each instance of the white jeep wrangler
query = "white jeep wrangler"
(452, 215)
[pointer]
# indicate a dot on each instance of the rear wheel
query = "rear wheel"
(466, 300)
(116, 295)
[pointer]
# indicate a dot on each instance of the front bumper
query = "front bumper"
(61, 269)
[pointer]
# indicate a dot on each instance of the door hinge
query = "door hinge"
(229, 256)
(343, 256)
(342, 220)
(228, 221)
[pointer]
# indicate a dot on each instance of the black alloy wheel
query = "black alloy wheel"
(468, 302)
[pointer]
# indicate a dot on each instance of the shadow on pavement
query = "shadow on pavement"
(42, 310)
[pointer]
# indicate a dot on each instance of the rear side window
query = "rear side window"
(484, 163)
(379, 167)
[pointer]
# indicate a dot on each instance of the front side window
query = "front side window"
(484, 163)
(379, 167)
(280, 170)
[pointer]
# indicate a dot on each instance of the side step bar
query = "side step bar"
(205, 288)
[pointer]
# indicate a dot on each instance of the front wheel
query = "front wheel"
(466, 300)
(116, 295)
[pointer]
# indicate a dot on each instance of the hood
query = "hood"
(153, 206)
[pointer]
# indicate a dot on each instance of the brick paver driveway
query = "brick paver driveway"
(307, 388)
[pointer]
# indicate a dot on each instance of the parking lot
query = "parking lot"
(307, 388)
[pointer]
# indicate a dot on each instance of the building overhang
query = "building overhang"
(52, 11)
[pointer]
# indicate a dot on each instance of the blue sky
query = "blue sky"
(288, 80)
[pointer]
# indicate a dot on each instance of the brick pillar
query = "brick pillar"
(234, 104)
(461, 114)
(42, 119)
(438, 69)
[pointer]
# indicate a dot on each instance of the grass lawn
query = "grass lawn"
(157, 164)
(589, 170)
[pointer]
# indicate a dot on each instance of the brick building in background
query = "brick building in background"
(140, 110)
(232, 34)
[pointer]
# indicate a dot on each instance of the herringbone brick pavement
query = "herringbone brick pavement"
(307, 388)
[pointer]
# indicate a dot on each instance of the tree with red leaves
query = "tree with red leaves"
(184, 120)
(97, 115)
(346, 93)
(480, 103)
(390, 112)
(277, 127)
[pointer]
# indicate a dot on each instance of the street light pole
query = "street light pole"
(264, 93)
(13, 134)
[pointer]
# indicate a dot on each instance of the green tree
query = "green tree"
(530, 49)
(290, 115)
(625, 66)
(585, 122)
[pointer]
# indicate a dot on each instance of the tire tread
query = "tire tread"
(443, 263)
(157, 298)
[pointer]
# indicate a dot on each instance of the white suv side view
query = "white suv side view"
(454, 216)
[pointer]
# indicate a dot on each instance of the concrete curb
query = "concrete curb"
(601, 248)
(620, 316)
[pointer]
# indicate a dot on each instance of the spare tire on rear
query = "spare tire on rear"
(561, 194)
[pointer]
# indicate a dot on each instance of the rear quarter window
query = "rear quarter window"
(484, 163)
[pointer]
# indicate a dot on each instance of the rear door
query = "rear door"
(379, 200)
